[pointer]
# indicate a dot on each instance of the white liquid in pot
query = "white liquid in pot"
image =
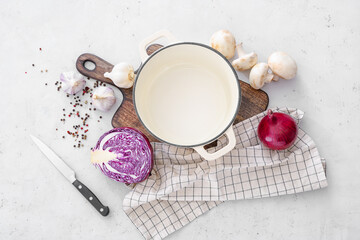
(187, 103)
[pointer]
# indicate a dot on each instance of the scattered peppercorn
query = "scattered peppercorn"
(76, 103)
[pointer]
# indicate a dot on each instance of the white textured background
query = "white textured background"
(36, 202)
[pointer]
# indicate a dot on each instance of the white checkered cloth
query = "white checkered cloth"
(182, 186)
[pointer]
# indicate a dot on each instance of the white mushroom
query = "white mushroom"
(224, 42)
(259, 75)
(122, 75)
(245, 60)
(282, 66)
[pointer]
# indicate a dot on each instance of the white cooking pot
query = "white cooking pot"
(187, 94)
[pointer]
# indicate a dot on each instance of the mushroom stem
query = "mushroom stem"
(275, 78)
(239, 49)
(269, 77)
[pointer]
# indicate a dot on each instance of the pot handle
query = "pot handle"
(144, 43)
(230, 146)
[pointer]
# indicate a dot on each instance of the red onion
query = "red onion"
(123, 154)
(277, 131)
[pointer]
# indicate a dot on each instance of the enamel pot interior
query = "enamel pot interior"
(186, 94)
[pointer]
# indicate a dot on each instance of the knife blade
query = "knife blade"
(69, 174)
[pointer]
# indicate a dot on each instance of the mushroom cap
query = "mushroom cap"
(224, 42)
(259, 75)
(282, 65)
(245, 62)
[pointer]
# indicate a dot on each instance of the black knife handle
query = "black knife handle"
(103, 210)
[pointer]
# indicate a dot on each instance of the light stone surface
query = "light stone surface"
(36, 202)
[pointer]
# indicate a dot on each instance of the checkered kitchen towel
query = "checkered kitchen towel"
(182, 186)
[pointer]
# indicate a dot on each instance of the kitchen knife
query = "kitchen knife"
(69, 174)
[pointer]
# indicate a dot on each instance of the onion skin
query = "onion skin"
(277, 131)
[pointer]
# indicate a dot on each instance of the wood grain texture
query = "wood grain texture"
(101, 67)
(252, 101)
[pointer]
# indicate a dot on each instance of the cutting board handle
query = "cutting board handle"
(101, 67)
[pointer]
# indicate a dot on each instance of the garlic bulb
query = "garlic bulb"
(72, 82)
(122, 75)
(103, 98)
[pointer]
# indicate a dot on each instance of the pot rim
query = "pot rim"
(200, 45)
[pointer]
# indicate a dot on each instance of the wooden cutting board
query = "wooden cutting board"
(252, 101)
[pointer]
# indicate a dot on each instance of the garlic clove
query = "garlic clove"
(224, 42)
(122, 75)
(72, 82)
(282, 65)
(103, 98)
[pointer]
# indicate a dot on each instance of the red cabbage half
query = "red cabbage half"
(123, 154)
